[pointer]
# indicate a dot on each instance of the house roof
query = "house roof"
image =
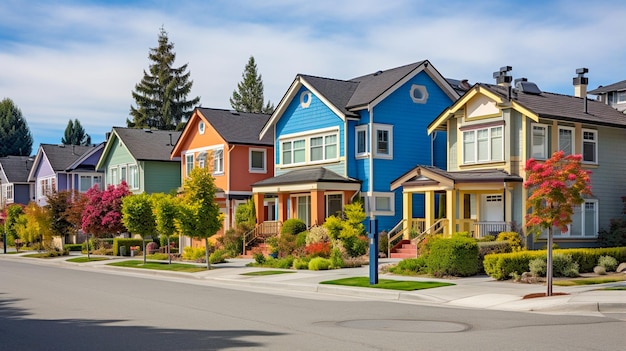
(338, 92)
(238, 127)
(427, 175)
(79, 161)
(16, 168)
(305, 176)
(611, 87)
(147, 144)
(62, 156)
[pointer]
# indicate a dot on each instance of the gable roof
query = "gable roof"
(61, 156)
(16, 168)
(338, 92)
(430, 175)
(79, 161)
(544, 105)
(147, 144)
(305, 176)
(238, 127)
(611, 87)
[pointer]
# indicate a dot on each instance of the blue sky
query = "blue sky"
(81, 59)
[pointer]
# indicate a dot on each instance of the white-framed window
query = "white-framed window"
(305, 99)
(334, 204)
(483, 145)
(584, 222)
(201, 127)
(380, 203)
(133, 177)
(218, 161)
(621, 97)
(303, 207)
(590, 146)
(257, 161)
(123, 174)
(319, 147)
(566, 140)
(46, 186)
(360, 141)
(8, 192)
(113, 178)
(188, 164)
(419, 94)
(87, 181)
(384, 141)
(539, 141)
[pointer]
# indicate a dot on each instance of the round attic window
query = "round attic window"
(305, 99)
(419, 94)
(201, 127)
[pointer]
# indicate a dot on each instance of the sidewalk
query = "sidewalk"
(472, 292)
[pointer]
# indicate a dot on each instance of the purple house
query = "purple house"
(14, 185)
(64, 167)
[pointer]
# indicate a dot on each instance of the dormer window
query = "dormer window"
(419, 94)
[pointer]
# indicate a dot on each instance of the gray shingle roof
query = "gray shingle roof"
(565, 107)
(338, 92)
(238, 127)
(611, 87)
(16, 168)
(473, 176)
(304, 176)
(62, 156)
(148, 145)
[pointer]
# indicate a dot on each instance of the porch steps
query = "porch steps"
(404, 249)
(260, 246)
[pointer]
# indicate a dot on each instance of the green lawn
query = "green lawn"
(404, 285)
(260, 273)
(162, 266)
(591, 280)
(83, 259)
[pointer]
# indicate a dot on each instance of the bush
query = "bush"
(127, 243)
(410, 266)
(609, 263)
(73, 247)
(173, 239)
(258, 256)
(456, 256)
(336, 258)
(564, 266)
(232, 241)
(218, 256)
(284, 262)
(319, 263)
(490, 247)
(286, 244)
(196, 254)
(317, 234)
(301, 263)
(319, 249)
(615, 235)
(538, 267)
(383, 242)
(355, 245)
(513, 238)
(293, 226)
(500, 266)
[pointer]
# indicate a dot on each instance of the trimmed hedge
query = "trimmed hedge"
(456, 256)
(73, 247)
(117, 242)
(500, 266)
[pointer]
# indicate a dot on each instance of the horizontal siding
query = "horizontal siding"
(160, 177)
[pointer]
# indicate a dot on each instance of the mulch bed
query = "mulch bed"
(535, 295)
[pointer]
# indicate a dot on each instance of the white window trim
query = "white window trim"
(619, 94)
(307, 136)
(389, 129)
(424, 92)
(215, 168)
(201, 127)
(257, 170)
(370, 200)
(571, 129)
(545, 142)
(188, 169)
(595, 141)
(130, 179)
(357, 130)
(305, 95)
(560, 235)
(475, 159)
(91, 182)
(5, 191)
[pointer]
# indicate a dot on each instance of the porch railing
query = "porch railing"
(261, 231)
(396, 234)
(482, 229)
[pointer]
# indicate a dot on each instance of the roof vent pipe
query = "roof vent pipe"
(580, 86)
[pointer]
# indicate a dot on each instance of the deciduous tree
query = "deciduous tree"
(166, 210)
(13, 213)
(34, 225)
(161, 96)
(555, 186)
(249, 94)
(138, 217)
(15, 137)
(103, 210)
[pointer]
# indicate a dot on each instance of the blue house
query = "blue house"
(340, 140)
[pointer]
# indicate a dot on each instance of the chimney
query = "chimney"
(580, 86)
(502, 77)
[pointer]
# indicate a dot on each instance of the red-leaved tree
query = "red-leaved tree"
(556, 185)
(103, 210)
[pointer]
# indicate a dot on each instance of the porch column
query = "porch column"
(258, 207)
(429, 209)
(407, 213)
(450, 211)
(317, 207)
(508, 197)
(282, 207)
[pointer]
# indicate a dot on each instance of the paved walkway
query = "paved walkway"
(473, 292)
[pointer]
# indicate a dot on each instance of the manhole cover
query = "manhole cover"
(406, 325)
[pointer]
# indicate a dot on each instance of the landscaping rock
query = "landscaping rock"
(599, 270)
(621, 268)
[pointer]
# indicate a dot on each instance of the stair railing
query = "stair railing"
(263, 231)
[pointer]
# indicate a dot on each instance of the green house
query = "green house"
(141, 158)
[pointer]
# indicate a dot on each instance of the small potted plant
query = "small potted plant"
(272, 246)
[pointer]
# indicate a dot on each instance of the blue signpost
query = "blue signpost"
(373, 238)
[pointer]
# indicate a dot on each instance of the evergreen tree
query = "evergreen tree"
(75, 134)
(161, 96)
(249, 94)
(15, 137)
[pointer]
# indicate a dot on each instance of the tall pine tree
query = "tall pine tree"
(75, 134)
(15, 137)
(161, 96)
(249, 94)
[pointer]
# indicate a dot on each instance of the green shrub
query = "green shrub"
(317, 234)
(301, 263)
(73, 247)
(218, 256)
(301, 239)
(490, 247)
(410, 266)
(195, 254)
(456, 256)
(588, 258)
(232, 241)
(319, 263)
(383, 242)
(500, 266)
(615, 235)
(336, 259)
(293, 226)
(127, 243)
(538, 267)
(258, 256)
(513, 238)
(286, 244)
(355, 245)
(609, 263)
(158, 256)
(284, 262)
(564, 266)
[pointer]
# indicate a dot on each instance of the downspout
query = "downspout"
(228, 207)
(432, 148)
(370, 191)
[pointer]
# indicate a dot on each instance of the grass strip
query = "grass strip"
(404, 285)
(83, 259)
(161, 266)
(266, 272)
(590, 281)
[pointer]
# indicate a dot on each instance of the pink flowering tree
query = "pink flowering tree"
(103, 210)
(555, 186)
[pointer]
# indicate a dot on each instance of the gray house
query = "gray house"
(613, 95)
(14, 185)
